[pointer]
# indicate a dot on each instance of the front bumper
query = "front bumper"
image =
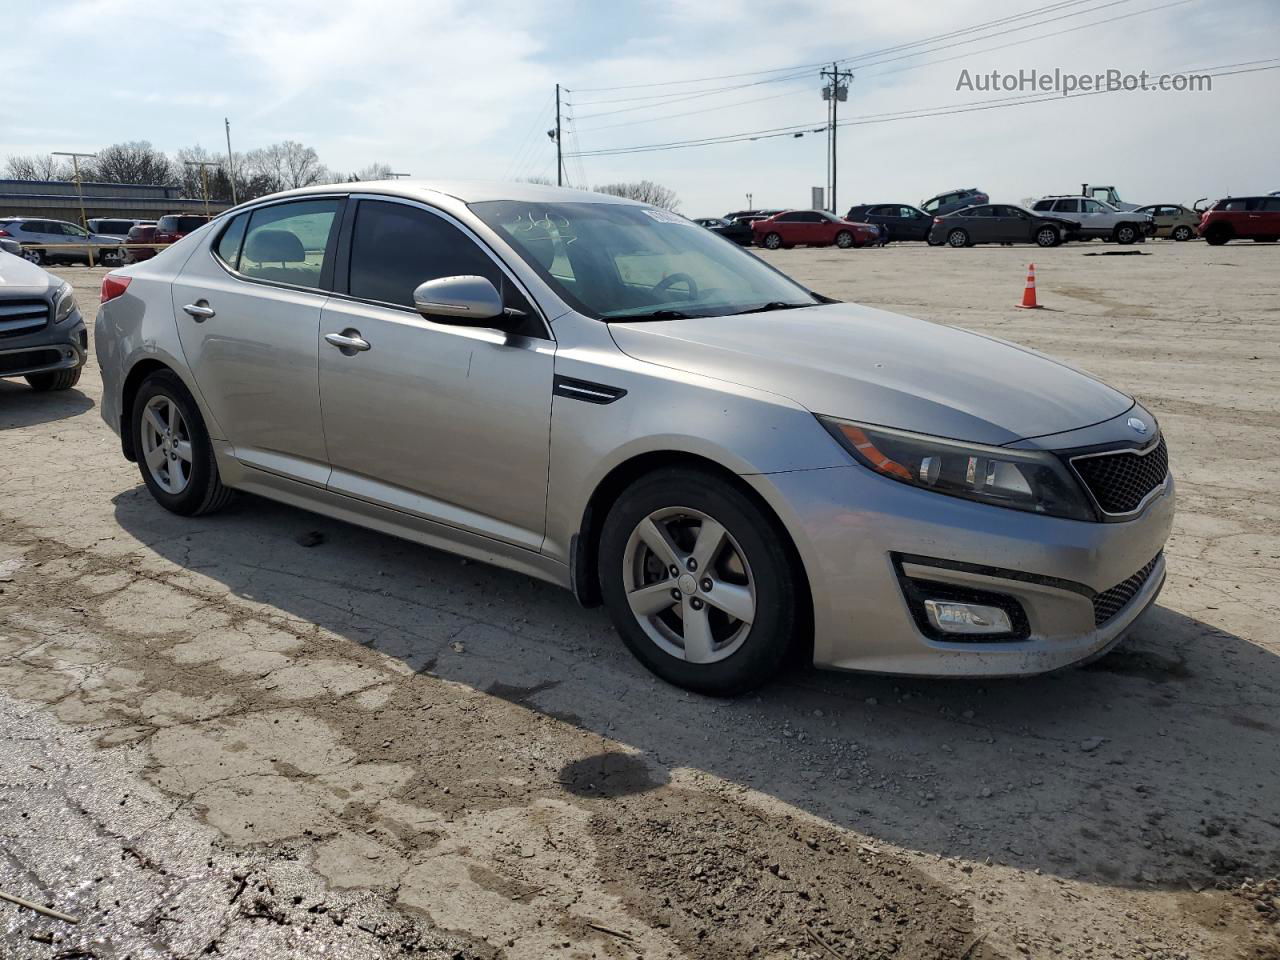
(858, 534)
(57, 347)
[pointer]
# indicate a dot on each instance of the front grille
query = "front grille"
(1120, 481)
(1110, 602)
(18, 317)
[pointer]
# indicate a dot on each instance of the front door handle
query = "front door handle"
(348, 341)
(200, 310)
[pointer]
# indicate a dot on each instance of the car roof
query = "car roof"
(467, 191)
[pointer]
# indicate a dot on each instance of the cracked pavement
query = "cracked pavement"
(222, 742)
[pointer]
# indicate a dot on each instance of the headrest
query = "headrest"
(274, 246)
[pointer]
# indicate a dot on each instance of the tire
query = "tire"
(771, 241)
(1048, 237)
(202, 490)
(751, 561)
(957, 239)
(1217, 236)
(844, 239)
(54, 380)
(1125, 234)
(1182, 233)
(34, 256)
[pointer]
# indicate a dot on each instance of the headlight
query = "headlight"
(64, 303)
(1019, 479)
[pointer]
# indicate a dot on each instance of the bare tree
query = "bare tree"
(374, 171)
(646, 191)
(133, 162)
(36, 166)
(286, 165)
(543, 181)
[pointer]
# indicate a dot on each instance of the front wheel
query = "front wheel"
(1182, 233)
(1048, 237)
(958, 238)
(698, 583)
(173, 449)
(771, 241)
(55, 380)
(1125, 234)
(844, 239)
(35, 256)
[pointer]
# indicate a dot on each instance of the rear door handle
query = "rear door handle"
(348, 341)
(200, 310)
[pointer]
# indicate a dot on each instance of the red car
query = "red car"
(172, 227)
(1241, 218)
(139, 234)
(812, 228)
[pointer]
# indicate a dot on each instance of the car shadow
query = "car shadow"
(20, 406)
(1154, 767)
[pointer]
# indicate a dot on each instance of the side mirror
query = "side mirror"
(468, 301)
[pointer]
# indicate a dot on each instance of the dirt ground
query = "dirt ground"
(268, 734)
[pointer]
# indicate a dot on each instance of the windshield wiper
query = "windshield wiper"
(654, 315)
(776, 305)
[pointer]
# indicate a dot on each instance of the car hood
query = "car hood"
(19, 276)
(859, 363)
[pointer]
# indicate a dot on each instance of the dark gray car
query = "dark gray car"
(943, 203)
(1001, 223)
(42, 335)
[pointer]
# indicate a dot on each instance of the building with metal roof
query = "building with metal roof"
(59, 200)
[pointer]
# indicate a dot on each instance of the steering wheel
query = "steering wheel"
(665, 283)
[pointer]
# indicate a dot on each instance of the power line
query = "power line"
(794, 130)
(1049, 8)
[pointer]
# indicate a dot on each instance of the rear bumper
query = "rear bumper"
(61, 347)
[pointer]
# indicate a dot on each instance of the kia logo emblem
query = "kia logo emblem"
(1139, 426)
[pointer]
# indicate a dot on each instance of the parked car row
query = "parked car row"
(43, 240)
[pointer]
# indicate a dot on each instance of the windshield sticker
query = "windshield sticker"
(664, 216)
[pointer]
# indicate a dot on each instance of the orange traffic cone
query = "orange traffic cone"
(1029, 294)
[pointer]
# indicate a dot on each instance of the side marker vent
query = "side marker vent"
(586, 390)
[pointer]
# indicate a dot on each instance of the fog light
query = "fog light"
(967, 618)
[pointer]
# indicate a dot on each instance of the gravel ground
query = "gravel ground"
(268, 734)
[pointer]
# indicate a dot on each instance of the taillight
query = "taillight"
(5, 233)
(113, 285)
(937, 219)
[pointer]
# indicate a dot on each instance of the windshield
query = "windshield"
(615, 261)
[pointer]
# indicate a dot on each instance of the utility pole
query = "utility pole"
(75, 165)
(559, 149)
(749, 206)
(231, 163)
(204, 178)
(834, 93)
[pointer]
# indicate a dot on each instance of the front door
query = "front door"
(446, 422)
(248, 312)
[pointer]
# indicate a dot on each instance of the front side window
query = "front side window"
(1093, 206)
(288, 242)
(618, 261)
(396, 247)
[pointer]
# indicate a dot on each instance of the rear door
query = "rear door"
(446, 422)
(248, 311)
(980, 223)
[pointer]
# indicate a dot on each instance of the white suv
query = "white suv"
(1099, 220)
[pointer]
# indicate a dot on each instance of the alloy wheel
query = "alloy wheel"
(958, 238)
(1047, 237)
(689, 585)
(844, 240)
(166, 444)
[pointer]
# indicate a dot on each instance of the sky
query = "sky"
(465, 89)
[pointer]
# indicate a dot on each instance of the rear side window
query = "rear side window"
(228, 246)
(1067, 206)
(396, 247)
(289, 242)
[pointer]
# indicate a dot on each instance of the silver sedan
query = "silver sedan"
(608, 397)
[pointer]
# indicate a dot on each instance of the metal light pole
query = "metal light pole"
(75, 165)
(231, 163)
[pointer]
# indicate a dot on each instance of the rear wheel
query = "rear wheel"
(54, 380)
(1182, 233)
(771, 241)
(958, 238)
(844, 239)
(174, 454)
(698, 583)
